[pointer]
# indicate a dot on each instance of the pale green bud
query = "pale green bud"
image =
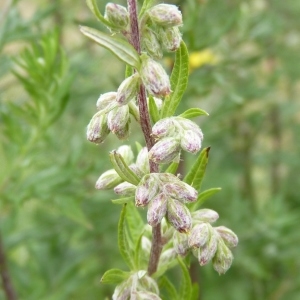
(167, 256)
(146, 244)
(223, 258)
(142, 161)
(148, 283)
(125, 189)
(123, 290)
(181, 191)
(97, 129)
(123, 133)
(118, 118)
(190, 141)
(205, 215)
(165, 151)
(144, 295)
(229, 237)
(157, 209)
(208, 250)
(117, 15)
(154, 77)
(180, 243)
(199, 235)
(146, 190)
(108, 180)
(126, 153)
(105, 100)
(128, 89)
(151, 44)
(165, 15)
(163, 128)
(135, 169)
(170, 38)
(179, 216)
(185, 124)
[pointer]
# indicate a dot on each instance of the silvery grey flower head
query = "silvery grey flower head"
(151, 44)
(170, 38)
(117, 119)
(123, 290)
(97, 129)
(223, 258)
(128, 89)
(117, 15)
(164, 128)
(199, 235)
(157, 209)
(167, 257)
(108, 180)
(154, 77)
(105, 100)
(205, 215)
(229, 237)
(126, 153)
(125, 189)
(181, 191)
(142, 161)
(180, 243)
(166, 15)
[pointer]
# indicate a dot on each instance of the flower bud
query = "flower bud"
(97, 129)
(163, 128)
(142, 161)
(199, 235)
(180, 243)
(148, 283)
(185, 124)
(144, 295)
(146, 190)
(154, 77)
(126, 153)
(105, 99)
(125, 189)
(123, 133)
(166, 15)
(208, 251)
(157, 209)
(165, 151)
(146, 244)
(108, 180)
(117, 118)
(128, 89)
(123, 290)
(136, 170)
(205, 215)
(181, 191)
(223, 258)
(167, 256)
(179, 216)
(229, 237)
(151, 44)
(117, 15)
(190, 141)
(170, 38)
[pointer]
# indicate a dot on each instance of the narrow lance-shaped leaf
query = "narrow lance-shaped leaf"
(115, 276)
(166, 284)
(179, 80)
(193, 113)
(123, 200)
(134, 221)
(119, 47)
(202, 197)
(92, 5)
(172, 168)
(185, 291)
(153, 110)
(122, 169)
(196, 174)
(137, 252)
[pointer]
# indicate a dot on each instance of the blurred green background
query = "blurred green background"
(60, 234)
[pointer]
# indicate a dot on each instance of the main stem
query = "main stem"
(147, 129)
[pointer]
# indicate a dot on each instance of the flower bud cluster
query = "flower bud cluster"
(174, 134)
(137, 286)
(166, 196)
(207, 242)
(161, 30)
(117, 15)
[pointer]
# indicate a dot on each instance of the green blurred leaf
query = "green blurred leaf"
(115, 276)
(167, 285)
(153, 110)
(123, 200)
(92, 5)
(203, 196)
(185, 291)
(193, 113)
(172, 168)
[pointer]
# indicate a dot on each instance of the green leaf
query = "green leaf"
(115, 276)
(166, 284)
(153, 110)
(119, 47)
(179, 80)
(122, 169)
(185, 291)
(172, 168)
(92, 4)
(146, 5)
(137, 253)
(123, 200)
(202, 197)
(193, 113)
(195, 292)
(196, 174)
(134, 221)
(123, 242)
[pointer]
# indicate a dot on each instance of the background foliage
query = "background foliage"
(60, 234)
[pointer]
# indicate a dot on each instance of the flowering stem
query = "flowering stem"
(146, 128)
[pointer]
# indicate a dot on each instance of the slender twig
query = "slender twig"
(6, 281)
(146, 128)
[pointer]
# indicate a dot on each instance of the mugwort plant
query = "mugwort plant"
(176, 227)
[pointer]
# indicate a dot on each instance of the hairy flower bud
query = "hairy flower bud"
(147, 283)
(146, 190)
(108, 180)
(165, 151)
(123, 133)
(170, 38)
(154, 77)
(205, 215)
(126, 153)
(105, 100)
(199, 235)
(157, 209)
(229, 237)
(144, 295)
(223, 258)
(180, 243)
(150, 44)
(142, 161)
(128, 89)
(167, 256)
(163, 128)
(185, 124)
(179, 216)
(190, 141)
(166, 15)
(123, 290)
(117, 15)
(181, 191)
(125, 189)
(208, 250)
(117, 118)
(97, 129)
